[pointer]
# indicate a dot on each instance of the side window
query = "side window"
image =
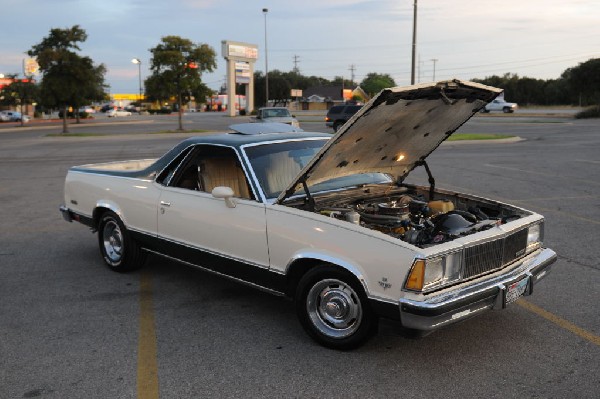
(208, 167)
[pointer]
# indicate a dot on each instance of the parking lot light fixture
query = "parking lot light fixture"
(139, 64)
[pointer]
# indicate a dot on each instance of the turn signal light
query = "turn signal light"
(416, 276)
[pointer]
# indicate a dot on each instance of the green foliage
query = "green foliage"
(68, 78)
(373, 83)
(23, 92)
(584, 82)
(177, 64)
(591, 112)
(529, 90)
(81, 115)
(160, 111)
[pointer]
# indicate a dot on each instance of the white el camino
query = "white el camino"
(326, 220)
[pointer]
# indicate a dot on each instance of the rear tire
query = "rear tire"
(333, 308)
(120, 252)
(337, 125)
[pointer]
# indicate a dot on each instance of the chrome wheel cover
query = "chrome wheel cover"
(334, 308)
(112, 239)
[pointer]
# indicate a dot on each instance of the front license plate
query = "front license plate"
(515, 290)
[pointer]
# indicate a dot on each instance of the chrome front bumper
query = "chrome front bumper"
(446, 308)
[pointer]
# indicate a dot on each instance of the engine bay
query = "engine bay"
(415, 214)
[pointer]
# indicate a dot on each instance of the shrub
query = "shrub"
(82, 115)
(591, 112)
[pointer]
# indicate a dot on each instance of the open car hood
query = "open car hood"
(395, 131)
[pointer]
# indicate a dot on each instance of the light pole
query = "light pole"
(265, 11)
(139, 64)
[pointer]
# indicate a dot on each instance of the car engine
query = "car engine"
(414, 219)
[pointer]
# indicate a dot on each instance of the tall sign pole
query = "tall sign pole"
(240, 59)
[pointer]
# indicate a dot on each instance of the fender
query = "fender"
(332, 259)
(110, 205)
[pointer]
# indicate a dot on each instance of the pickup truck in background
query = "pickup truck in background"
(499, 104)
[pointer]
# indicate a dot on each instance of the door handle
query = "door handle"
(164, 203)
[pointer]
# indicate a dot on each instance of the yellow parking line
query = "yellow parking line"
(595, 339)
(147, 368)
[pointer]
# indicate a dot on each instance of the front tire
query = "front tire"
(120, 252)
(333, 308)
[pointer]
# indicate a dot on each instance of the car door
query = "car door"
(198, 228)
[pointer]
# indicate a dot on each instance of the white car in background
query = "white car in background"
(117, 112)
(13, 116)
(276, 114)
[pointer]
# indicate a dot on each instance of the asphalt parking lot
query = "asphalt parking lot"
(70, 328)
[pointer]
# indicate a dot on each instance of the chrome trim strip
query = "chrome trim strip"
(330, 259)
(260, 287)
(207, 251)
(104, 173)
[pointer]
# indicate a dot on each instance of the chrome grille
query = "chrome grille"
(493, 255)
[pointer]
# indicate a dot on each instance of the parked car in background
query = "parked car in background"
(499, 104)
(328, 221)
(88, 109)
(275, 114)
(13, 116)
(117, 112)
(339, 114)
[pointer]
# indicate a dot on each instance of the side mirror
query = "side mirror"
(225, 193)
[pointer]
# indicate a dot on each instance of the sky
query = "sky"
(327, 38)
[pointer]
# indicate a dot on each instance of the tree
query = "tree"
(373, 83)
(22, 92)
(584, 82)
(177, 65)
(67, 78)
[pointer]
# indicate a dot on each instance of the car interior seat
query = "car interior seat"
(224, 171)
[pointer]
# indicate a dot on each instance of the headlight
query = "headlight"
(431, 273)
(535, 235)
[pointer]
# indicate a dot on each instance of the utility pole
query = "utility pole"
(296, 61)
(414, 45)
(434, 61)
(352, 68)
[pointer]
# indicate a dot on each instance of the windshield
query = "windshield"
(276, 165)
(276, 113)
